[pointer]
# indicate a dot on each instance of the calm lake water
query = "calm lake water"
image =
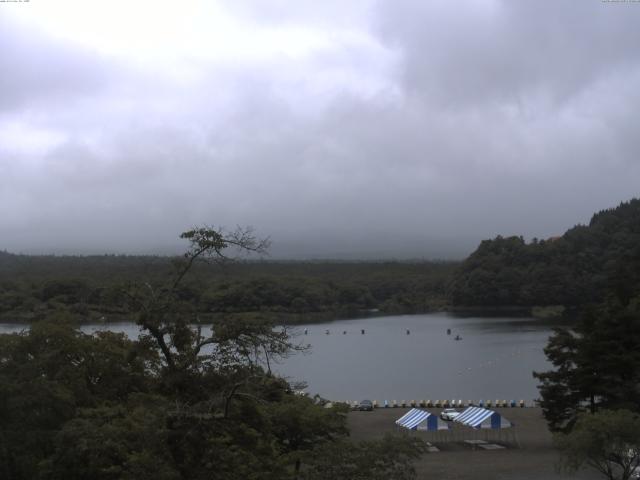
(494, 359)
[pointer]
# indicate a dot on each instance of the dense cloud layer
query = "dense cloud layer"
(390, 128)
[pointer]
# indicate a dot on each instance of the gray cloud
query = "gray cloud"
(411, 131)
(509, 52)
(37, 68)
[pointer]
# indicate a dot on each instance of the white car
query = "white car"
(449, 414)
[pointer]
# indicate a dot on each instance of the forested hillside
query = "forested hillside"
(580, 267)
(283, 291)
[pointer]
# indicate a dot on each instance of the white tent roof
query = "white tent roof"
(415, 419)
(477, 417)
(412, 418)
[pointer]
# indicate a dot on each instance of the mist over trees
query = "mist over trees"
(581, 267)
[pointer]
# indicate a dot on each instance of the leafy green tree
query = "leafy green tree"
(597, 365)
(181, 401)
(230, 413)
(51, 372)
(125, 441)
(155, 305)
(388, 458)
(301, 425)
(608, 441)
(579, 268)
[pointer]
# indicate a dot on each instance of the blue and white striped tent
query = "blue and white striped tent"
(478, 417)
(416, 419)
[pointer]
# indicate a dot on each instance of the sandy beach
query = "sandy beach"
(531, 456)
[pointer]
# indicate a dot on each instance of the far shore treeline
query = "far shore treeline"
(543, 276)
(287, 292)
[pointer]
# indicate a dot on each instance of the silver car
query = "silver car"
(449, 414)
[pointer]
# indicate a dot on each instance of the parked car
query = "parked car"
(449, 414)
(366, 406)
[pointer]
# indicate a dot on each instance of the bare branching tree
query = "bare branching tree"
(209, 369)
(182, 344)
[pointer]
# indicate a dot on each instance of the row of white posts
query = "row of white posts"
(446, 404)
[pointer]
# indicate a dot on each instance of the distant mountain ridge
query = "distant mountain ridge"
(582, 266)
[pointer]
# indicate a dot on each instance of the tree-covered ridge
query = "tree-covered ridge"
(284, 291)
(580, 267)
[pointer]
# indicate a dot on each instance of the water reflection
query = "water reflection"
(494, 358)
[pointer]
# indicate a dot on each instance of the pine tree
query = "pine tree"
(597, 365)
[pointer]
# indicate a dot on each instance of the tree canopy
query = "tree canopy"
(596, 365)
(34, 286)
(608, 441)
(580, 267)
(178, 402)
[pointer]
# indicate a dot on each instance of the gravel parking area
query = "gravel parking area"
(532, 457)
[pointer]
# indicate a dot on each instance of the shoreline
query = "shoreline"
(291, 319)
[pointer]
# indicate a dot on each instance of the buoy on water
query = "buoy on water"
(362, 331)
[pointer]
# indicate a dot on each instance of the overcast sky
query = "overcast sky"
(354, 129)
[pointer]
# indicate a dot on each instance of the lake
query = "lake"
(494, 359)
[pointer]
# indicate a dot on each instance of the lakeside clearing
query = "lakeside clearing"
(534, 459)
